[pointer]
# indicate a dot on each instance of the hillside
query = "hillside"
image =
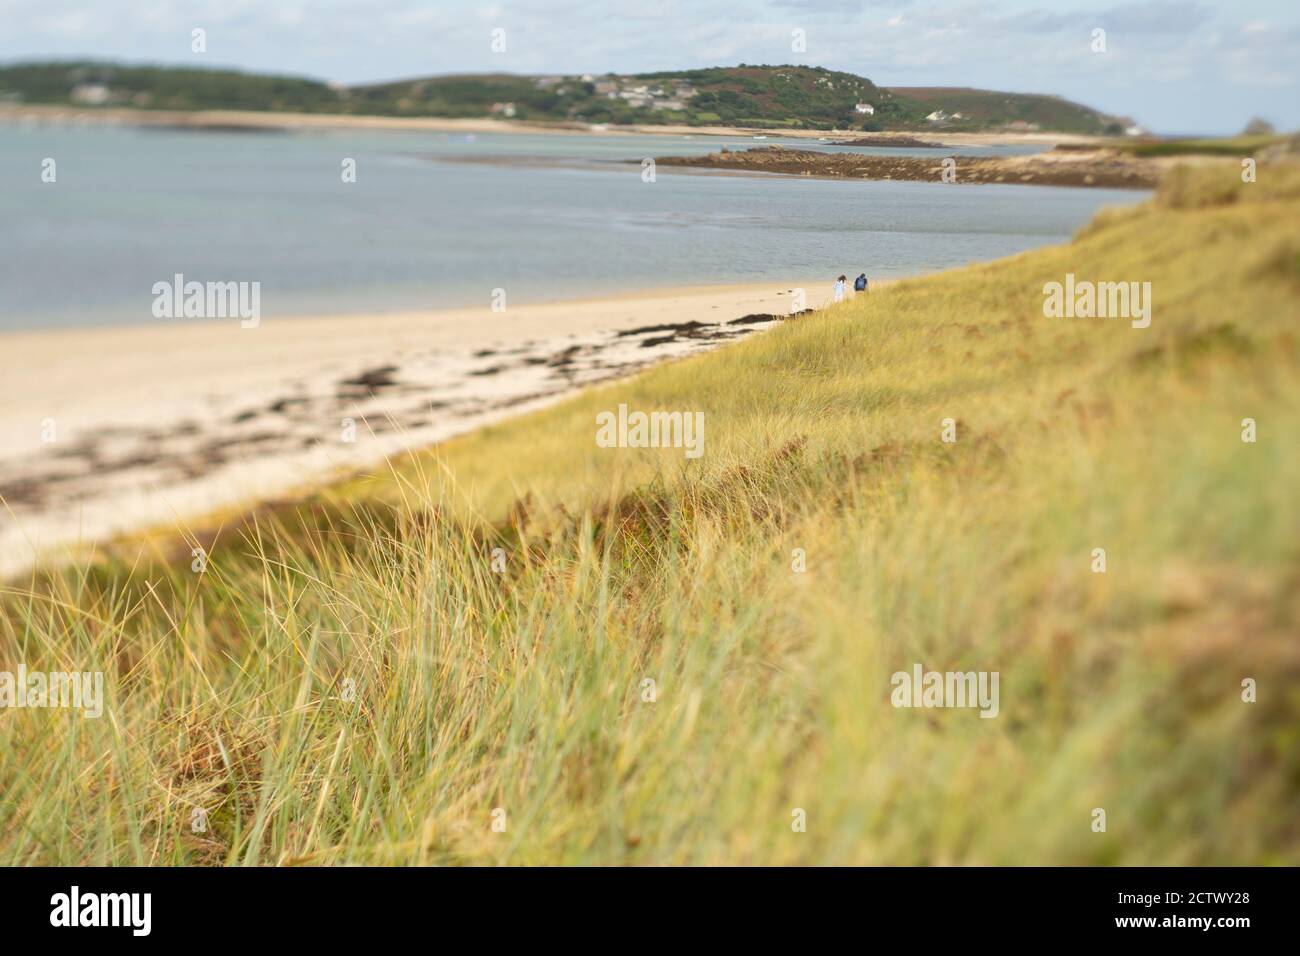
(962, 108)
(677, 655)
(170, 88)
(770, 97)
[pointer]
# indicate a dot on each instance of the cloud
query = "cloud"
(1168, 17)
(820, 6)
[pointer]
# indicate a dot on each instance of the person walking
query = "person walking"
(838, 295)
(860, 283)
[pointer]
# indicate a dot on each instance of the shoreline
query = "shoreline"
(109, 430)
(265, 121)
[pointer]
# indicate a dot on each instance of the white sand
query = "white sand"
(159, 423)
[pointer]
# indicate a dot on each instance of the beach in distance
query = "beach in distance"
(254, 120)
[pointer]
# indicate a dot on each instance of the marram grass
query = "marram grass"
(351, 681)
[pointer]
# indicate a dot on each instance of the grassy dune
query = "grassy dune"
(349, 680)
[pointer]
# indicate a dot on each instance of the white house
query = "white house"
(866, 108)
(938, 116)
(90, 94)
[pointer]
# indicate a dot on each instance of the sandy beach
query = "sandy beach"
(106, 430)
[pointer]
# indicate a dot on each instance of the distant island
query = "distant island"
(760, 97)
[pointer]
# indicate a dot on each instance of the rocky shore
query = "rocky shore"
(1106, 168)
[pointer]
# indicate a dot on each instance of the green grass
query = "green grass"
(476, 690)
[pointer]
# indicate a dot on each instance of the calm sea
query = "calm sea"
(546, 217)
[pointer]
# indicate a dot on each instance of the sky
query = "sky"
(1175, 66)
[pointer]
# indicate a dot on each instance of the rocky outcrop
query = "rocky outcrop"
(1100, 167)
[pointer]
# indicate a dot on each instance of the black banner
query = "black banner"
(333, 906)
